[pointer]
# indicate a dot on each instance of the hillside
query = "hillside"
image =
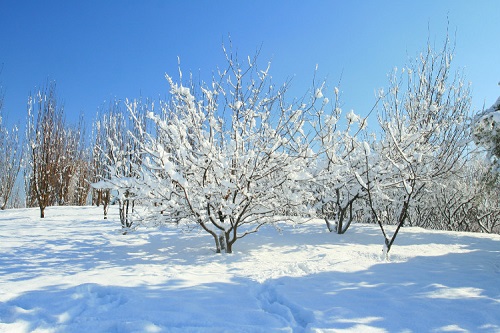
(74, 272)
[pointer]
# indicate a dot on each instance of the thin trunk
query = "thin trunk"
(105, 199)
(340, 223)
(401, 220)
(214, 235)
(328, 225)
(350, 219)
(105, 209)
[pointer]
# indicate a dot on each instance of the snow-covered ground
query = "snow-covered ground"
(74, 272)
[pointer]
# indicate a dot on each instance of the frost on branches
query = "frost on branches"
(116, 157)
(228, 157)
(233, 155)
(487, 132)
(423, 142)
(339, 156)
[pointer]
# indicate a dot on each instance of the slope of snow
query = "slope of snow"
(74, 272)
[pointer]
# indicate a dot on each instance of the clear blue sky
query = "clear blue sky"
(102, 50)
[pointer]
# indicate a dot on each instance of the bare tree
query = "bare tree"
(45, 137)
(74, 171)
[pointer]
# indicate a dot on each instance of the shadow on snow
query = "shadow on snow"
(451, 292)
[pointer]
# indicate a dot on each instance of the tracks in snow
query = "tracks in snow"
(278, 305)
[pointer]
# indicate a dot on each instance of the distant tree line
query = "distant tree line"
(237, 153)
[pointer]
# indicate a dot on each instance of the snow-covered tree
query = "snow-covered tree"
(10, 158)
(79, 185)
(339, 156)
(117, 137)
(227, 157)
(487, 132)
(424, 138)
(99, 169)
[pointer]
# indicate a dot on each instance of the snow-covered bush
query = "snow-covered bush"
(470, 201)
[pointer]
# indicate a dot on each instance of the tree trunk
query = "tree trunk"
(105, 209)
(340, 225)
(328, 225)
(402, 217)
(99, 197)
(229, 248)
(222, 243)
(217, 243)
(230, 241)
(105, 198)
(42, 212)
(350, 219)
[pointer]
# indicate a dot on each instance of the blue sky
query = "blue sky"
(97, 51)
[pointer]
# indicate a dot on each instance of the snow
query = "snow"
(238, 105)
(352, 117)
(319, 93)
(102, 185)
(74, 272)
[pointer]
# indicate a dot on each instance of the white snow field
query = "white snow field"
(75, 272)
